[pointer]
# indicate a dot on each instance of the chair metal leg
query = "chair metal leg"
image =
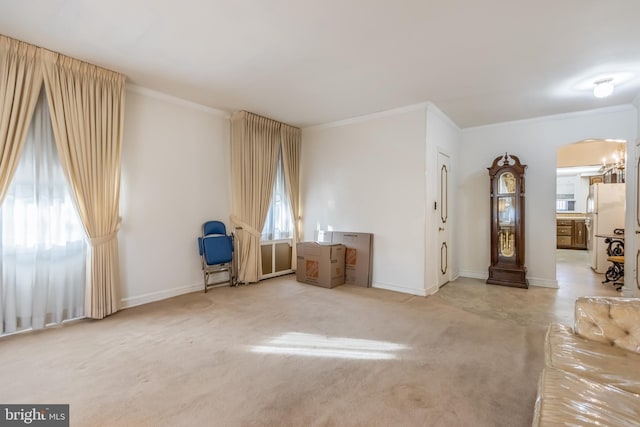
(233, 279)
(614, 272)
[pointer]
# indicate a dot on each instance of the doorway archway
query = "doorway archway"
(586, 169)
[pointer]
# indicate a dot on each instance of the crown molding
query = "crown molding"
(368, 117)
(176, 101)
(561, 116)
(433, 108)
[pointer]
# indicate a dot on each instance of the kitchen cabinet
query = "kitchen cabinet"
(579, 234)
(571, 234)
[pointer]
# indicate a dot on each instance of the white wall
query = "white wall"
(367, 175)
(175, 176)
(442, 135)
(535, 142)
(631, 246)
(374, 174)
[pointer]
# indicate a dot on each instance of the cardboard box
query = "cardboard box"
(320, 264)
(358, 254)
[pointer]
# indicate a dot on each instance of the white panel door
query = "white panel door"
(443, 220)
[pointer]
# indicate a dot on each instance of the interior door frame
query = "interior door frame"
(633, 243)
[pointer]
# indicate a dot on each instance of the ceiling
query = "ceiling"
(309, 62)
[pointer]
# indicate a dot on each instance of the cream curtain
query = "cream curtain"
(20, 82)
(291, 140)
(87, 111)
(255, 142)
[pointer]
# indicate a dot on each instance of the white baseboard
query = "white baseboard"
(432, 290)
(159, 295)
(474, 274)
(170, 293)
(533, 281)
(397, 288)
(543, 283)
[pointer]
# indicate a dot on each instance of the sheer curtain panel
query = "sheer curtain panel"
(87, 111)
(279, 222)
(43, 252)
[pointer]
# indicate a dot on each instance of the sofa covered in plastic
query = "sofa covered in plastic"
(592, 371)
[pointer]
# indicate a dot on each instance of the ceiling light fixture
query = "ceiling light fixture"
(603, 88)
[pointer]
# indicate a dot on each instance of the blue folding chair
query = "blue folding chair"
(216, 251)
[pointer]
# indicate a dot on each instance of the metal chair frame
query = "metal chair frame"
(214, 234)
(615, 273)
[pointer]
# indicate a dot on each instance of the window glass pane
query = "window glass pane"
(279, 223)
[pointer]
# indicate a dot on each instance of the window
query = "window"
(565, 193)
(42, 245)
(565, 205)
(279, 223)
(277, 233)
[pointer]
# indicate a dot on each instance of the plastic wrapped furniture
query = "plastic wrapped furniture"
(216, 252)
(592, 372)
(566, 399)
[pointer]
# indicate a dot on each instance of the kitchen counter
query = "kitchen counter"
(571, 216)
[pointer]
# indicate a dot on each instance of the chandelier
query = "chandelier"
(616, 164)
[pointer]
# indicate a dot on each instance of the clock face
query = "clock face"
(507, 183)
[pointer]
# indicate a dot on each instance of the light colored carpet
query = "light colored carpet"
(208, 360)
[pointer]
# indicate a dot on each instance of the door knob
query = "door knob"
(440, 228)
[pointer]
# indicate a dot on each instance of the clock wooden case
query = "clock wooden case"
(507, 222)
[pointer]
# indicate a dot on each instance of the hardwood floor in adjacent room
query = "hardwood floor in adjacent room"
(575, 276)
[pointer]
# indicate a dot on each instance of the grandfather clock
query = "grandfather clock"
(507, 222)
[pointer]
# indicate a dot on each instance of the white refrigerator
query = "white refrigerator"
(605, 212)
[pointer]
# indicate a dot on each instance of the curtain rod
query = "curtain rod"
(267, 118)
(62, 54)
